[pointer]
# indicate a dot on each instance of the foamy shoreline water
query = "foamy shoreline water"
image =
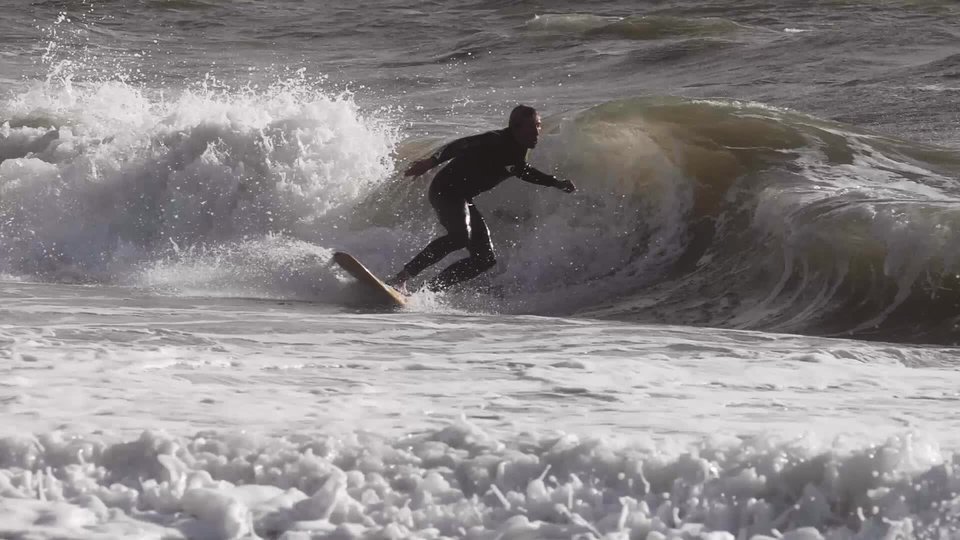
(460, 482)
(133, 415)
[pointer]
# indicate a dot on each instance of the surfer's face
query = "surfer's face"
(527, 131)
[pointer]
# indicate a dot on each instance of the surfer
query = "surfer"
(479, 163)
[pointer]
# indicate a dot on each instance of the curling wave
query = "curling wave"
(733, 214)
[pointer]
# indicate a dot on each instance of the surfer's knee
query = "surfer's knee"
(458, 240)
(447, 243)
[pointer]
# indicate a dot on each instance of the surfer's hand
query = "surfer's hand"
(566, 186)
(419, 167)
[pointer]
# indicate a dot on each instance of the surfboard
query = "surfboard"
(379, 290)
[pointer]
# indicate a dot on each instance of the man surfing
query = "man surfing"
(479, 163)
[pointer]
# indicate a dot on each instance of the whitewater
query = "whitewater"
(742, 326)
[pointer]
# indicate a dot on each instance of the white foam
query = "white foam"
(123, 175)
(462, 482)
(127, 415)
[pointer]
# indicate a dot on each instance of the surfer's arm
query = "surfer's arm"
(449, 151)
(527, 173)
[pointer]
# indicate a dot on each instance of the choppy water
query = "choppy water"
(651, 355)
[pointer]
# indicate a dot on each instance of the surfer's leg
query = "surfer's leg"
(435, 250)
(479, 243)
(454, 216)
(480, 260)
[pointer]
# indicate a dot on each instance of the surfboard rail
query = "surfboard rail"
(380, 290)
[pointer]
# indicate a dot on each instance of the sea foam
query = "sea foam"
(461, 482)
(98, 178)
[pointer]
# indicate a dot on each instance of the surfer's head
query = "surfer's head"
(525, 125)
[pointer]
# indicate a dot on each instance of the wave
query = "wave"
(698, 212)
(791, 223)
(729, 214)
(96, 176)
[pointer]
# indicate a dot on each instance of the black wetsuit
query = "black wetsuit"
(480, 162)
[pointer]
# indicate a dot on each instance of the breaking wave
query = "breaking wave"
(696, 212)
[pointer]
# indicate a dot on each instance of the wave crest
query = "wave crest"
(93, 172)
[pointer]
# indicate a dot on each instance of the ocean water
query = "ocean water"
(743, 325)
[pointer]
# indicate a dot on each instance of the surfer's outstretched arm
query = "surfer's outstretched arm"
(528, 173)
(449, 151)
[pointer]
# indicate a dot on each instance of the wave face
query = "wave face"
(801, 225)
